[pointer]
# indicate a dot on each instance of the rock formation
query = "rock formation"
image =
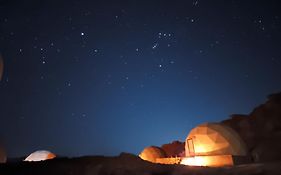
(174, 149)
(261, 129)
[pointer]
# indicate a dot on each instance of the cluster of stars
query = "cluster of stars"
(162, 41)
(260, 24)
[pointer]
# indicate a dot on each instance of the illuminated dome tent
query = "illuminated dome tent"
(213, 144)
(209, 144)
(3, 157)
(152, 153)
(40, 155)
(1, 67)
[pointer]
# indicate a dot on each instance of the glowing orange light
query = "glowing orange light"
(211, 161)
(200, 149)
(195, 161)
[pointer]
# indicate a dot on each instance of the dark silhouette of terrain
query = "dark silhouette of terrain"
(126, 164)
(261, 131)
(176, 148)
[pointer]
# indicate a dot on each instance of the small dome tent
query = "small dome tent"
(1, 67)
(151, 153)
(3, 157)
(40, 155)
(214, 139)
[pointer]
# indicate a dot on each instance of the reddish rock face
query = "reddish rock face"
(261, 129)
(174, 149)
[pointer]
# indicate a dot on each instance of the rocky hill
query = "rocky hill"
(261, 129)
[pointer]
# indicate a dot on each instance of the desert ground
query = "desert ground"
(128, 164)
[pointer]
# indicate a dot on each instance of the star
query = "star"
(154, 46)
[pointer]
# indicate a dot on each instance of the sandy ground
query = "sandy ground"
(127, 164)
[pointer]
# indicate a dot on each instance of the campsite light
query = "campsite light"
(209, 144)
(196, 161)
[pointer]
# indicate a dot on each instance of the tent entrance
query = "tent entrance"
(190, 144)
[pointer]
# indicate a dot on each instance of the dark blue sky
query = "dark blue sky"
(102, 77)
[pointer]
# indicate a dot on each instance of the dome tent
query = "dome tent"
(40, 155)
(214, 139)
(1, 67)
(214, 144)
(3, 157)
(151, 153)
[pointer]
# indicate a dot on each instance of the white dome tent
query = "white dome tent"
(40, 155)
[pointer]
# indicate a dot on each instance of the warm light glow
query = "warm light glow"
(211, 161)
(200, 149)
(195, 161)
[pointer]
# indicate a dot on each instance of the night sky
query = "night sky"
(104, 77)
